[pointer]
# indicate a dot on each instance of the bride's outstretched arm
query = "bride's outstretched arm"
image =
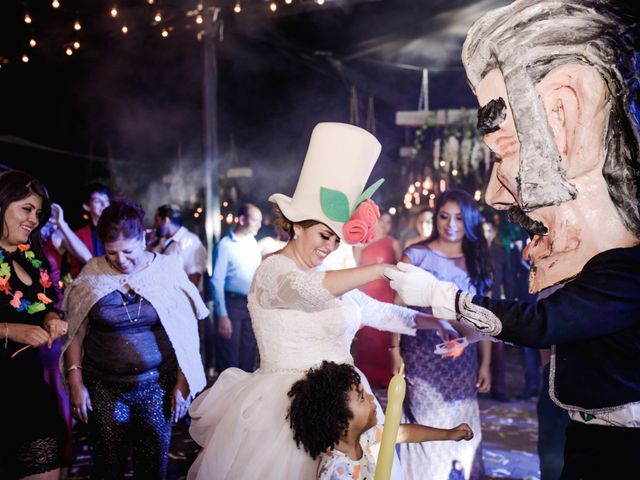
(339, 282)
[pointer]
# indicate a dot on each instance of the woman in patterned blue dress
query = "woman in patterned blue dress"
(443, 391)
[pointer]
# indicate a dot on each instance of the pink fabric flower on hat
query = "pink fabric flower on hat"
(361, 226)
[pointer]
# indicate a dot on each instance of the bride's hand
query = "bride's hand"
(445, 330)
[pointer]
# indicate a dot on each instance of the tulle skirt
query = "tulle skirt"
(241, 424)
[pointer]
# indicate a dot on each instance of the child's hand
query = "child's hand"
(461, 432)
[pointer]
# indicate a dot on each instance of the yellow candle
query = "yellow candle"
(393, 412)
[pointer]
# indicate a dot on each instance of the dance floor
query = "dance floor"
(509, 437)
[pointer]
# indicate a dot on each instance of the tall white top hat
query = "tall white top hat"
(335, 170)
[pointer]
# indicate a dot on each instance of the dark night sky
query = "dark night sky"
(137, 98)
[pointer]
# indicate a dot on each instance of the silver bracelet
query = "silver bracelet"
(74, 367)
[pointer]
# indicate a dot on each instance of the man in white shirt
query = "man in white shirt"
(175, 239)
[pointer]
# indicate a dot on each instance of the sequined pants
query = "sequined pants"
(130, 417)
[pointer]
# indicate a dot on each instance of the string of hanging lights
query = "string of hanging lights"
(164, 16)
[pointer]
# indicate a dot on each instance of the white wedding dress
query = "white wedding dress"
(240, 422)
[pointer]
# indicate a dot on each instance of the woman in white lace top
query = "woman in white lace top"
(301, 316)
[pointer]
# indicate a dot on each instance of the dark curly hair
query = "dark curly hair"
(319, 413)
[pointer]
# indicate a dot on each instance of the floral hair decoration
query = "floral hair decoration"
(360, 221)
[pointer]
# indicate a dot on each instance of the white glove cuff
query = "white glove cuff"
(444, 300)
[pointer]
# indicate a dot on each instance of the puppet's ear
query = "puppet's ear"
(574, 100)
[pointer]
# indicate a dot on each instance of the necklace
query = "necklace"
(126, 309)
(18, 302)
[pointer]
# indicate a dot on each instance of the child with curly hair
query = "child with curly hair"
(334, 417)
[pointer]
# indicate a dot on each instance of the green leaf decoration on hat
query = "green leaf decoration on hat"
(335, 204)
(368, 193)
(36, 263)
(29, 255)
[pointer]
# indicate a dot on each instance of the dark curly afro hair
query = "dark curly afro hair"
(319, 413)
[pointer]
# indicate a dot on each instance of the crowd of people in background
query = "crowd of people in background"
(131, 357)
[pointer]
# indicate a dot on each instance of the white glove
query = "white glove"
(420, 288)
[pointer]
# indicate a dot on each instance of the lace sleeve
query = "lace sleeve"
(279, 283)
(385, 316)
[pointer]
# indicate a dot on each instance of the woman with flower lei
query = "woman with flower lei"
(33, 431)
(301, 314)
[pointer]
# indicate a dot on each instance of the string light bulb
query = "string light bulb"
(76, 45)
(32, 42)
(27, 18)
(158, 17)
(124, 29)
(150, 2)
(25, 58)
(288, 2)
(69, 51)
(114, 12)
(55, 4)
(320, 2)
(165, 33)
(237, 8)
(199, 19)
(273, 7)
(76, 26)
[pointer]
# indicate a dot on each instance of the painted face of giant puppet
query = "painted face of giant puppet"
(565, 236)
(549, 164)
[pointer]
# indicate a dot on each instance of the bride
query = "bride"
(301, 315)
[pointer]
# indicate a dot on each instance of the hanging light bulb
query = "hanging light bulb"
(454, 172)
(25, 58)
(150, 2)
(237, 8)
(114, 12)
(273, 7)
(76, 45)
(199, 19)
(158, 17)
(27, 18)
(320, 2)
(76, 26)
(288, 2)
(69, 51)
(32, 42)
(165, 33)
(124, 29)
(477, 195)
(55, 4)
